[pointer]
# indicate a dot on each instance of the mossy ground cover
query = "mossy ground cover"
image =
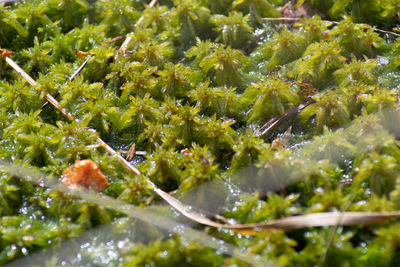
(192, 90)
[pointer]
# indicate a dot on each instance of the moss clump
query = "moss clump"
(191, 90)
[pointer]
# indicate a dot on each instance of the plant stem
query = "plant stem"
(272, 123)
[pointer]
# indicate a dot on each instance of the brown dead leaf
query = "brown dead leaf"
(85, 173)
(81, 54)
(281, 142)
(5, 53)
(116, 39)
(186, 152)
(131, 152)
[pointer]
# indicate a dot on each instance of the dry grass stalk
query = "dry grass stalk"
(272, 123)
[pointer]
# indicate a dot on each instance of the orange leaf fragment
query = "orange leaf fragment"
(85, 173)
(81, 54)
(131, 152)
(5, 53)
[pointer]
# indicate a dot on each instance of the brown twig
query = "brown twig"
(388, 32)
(115, 39)
(272, 123)
(282, 19)
(80, 68)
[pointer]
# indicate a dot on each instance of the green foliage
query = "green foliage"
(270, 98)
(251, 209)
(330, 109)
(318, 63)
(18, 97)
(154, 53)
(117, 16)
(378, 99)
(183, 126)
(381, 175)
(217, 134)
(199, 166)
(29, 136)
(171, 252)
(221, 64)
(175, 80)
(394, 52)
(136, 117)
(35, 19)
(99, 64)
(286, 47)
(141, 81)
(357, 71)
(221, 101)
(384, 246)
(165, 167)
(276, 245)
(192, 18)
(92, 104)
(191, 89)
(377, 11)
(357, 39)
(332, 145)
(233, 30)
(156, 17)
(38, 58)
(62, 10)
(339, 245)
(9, 25)
(314, 28)
(11, 197)
(257, 9)
(247, 149)
(21, 235)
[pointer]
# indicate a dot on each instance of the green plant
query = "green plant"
(319, 61)
(270, 98)
(257, 9)
(233, 29)
(183, 100)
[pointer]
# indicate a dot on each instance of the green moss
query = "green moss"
(193, 88)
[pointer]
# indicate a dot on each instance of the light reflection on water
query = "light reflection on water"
(100, 245)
